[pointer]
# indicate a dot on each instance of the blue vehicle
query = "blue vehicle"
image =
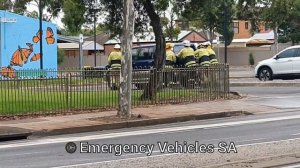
(143, 56)
(143, 59)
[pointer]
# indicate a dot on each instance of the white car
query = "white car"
(284, 65)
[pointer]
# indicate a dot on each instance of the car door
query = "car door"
(296, 61)
(284, 62)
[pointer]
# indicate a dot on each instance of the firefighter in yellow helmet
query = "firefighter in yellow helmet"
(187, 55)
(114, 60)
(202, 55)
(169, 64)
(170, 56)
(212, 54)
(115, 57)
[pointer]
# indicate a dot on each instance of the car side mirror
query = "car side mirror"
(277, 57)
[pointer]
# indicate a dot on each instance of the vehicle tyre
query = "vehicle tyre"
(265, 74)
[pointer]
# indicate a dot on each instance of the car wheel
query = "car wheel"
(265, 74)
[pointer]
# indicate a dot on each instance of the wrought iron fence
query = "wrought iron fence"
(58, 91)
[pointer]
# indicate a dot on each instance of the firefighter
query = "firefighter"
(115, 57)
(169, 65)
(212, 54)
(202, 55)
(187, 59)
(170, 56)
(187, 55)
(114, 60)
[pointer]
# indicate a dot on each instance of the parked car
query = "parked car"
(284, 65)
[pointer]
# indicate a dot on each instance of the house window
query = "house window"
(246, 25)
(236, 27)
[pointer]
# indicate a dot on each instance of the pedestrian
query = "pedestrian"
(114, 60)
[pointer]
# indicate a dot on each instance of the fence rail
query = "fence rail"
(59, 91)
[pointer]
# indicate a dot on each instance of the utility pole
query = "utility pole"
(95, 49)
(41, 33)
(126, 70)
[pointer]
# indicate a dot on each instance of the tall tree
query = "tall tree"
(209, 15)
(73, 20)
(147, 12)
(276, 13)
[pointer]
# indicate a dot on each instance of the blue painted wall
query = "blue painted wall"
(15, 36)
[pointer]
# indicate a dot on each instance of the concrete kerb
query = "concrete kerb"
(139, 123)
(245, 84)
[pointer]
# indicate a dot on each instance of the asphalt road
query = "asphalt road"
(279, 97)
(50, 151)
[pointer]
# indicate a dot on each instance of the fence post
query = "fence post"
(67, 89)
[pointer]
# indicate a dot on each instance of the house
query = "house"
(72, 54)
(20, 43)
(149, 38)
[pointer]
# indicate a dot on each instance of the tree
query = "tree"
(294, 23)
(74, 11)
(209, 15)
(251, 10)
(18, 7)
(276, 13)
(60, 56)
(146, 11)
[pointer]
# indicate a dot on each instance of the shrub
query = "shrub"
(251, 59)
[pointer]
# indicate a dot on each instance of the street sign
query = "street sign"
(81, 38)
(8, 20)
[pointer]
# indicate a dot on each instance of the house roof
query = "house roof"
(87, 45)
(100, 38)
(150, 37)
(266, 36)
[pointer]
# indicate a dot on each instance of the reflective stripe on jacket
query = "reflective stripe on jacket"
(114, 59)
(187, 54)
(202, 57)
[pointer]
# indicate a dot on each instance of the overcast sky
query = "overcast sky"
(33, 7)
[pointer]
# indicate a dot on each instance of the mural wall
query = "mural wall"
(20, 44)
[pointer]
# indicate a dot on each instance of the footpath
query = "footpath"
(152, 115)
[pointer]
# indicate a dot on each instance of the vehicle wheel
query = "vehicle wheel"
(265, 74)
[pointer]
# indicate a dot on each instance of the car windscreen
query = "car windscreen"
(142, 53)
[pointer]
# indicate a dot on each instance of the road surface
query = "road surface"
(248, 131)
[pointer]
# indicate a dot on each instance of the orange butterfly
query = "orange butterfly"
(50, 36)
(35, 57)
(20, 56)
(8, 72)
(37, 38)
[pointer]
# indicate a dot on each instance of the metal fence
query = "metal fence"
(59, 91)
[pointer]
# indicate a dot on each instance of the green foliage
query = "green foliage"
(74, 11)
(209, 15)
(251, 59)
(33, 14)
(60, 56)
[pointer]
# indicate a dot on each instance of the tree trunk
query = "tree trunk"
(276, 38)
(160, 53)
(126, 70)
(211, 36)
